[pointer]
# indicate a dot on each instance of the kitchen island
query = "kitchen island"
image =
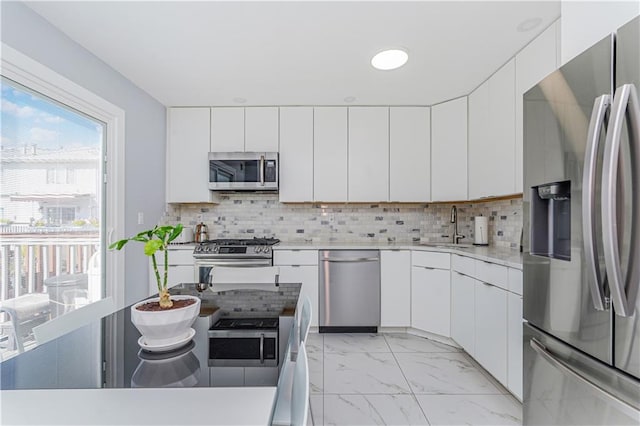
(64, 379)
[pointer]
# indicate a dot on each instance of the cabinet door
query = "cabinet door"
(308, 276)
(330, 154)
(409, 154)
(502, 131)
(395, 288)
(491, 330)
(463, 311)
(187, 149)
(227, 129)
(533, 63)
(480, 156)
(261, 129)
(296, 154)
(514, 345)
(449, 150)
(368, 154)
(430, 300)
(178, 274)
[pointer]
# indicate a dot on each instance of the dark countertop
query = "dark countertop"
(75, 360)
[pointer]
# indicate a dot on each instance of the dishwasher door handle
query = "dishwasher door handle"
(351, 260)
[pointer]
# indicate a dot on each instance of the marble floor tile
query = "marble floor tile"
(355, 343)
(315, 342)
(364, 373)
(488, 375)
(317, 409)
(471, 409)
(403, 342)
(372, 410)
(443, 373)
(316, 368)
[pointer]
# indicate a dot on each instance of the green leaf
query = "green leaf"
(152, 246)
(177, 230)
(118, 244)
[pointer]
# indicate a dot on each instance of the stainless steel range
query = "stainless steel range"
(245, 253)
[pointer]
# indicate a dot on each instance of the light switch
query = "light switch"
(140, 218)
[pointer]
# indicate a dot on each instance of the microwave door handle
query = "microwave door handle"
(595, 280)
(262, 170)
(625, 104)
(262, 348)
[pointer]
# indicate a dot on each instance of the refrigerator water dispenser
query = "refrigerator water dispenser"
(551, 220)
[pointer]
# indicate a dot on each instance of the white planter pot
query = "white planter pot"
(166, 326)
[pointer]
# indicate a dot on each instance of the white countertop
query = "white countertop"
(168, 406)
(500, 256)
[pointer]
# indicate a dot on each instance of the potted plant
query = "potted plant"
(164, 319)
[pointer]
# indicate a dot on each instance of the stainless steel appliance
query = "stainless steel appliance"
(244, 342)
(242, 253)
(243, 171)
(349, 291)
(582, 238)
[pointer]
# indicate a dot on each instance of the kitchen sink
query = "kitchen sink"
(447, 245)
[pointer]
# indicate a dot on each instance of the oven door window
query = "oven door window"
(203, 274)
(241, 348)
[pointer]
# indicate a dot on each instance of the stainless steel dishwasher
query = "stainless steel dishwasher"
(349, 291)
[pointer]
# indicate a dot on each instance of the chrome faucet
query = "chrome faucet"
(454, 219)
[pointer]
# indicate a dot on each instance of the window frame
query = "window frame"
(22, 69)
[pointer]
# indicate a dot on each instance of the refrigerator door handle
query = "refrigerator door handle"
(596, 281)
(566, 369)
(625, 104)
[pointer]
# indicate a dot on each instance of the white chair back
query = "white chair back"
(305, 319)
(300, 393)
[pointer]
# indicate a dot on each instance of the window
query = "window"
(62, 196)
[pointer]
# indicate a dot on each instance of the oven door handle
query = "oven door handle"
(262, 348)
(245, 264)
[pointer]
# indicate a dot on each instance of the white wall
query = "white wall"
(583, 23)
(145, 132)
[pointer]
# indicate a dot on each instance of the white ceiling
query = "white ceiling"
(300, 53)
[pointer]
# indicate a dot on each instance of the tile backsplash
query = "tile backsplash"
(244, 215)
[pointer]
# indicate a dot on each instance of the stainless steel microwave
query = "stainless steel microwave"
(243, 171)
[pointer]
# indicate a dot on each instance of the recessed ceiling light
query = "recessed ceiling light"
(528, 24)
(350, 99)
(239, 100)
(389, 59)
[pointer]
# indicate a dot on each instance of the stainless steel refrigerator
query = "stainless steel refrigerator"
(582, 238)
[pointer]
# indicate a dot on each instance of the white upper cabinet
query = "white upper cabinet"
(500, 152)
(187, 148)
(369, 154)
(449, 150)
(538, 59)
(479, 140)
(296, 154)
(261, 129)
(227, 129)
(330, 154)
(492, 135)
(409, 154)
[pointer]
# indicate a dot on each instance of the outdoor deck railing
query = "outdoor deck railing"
(27, 260)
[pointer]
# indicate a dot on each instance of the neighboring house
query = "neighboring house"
(49, 187)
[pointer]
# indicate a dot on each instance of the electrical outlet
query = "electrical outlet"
(140, 218)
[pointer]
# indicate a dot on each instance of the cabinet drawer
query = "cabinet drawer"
(295, 257)
(430, 259)
(464, 265)
(515, 281)
(492, 274)
(177, 257)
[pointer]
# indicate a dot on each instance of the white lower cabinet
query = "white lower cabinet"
(463, 311)
(514, 344)
(430, 300)
(491, 329)
(308, 276)
(395, 288)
